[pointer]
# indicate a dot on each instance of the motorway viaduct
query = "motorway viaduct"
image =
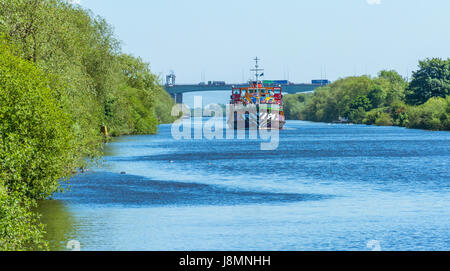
(176, 91)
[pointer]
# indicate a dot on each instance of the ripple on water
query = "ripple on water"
(106, 188)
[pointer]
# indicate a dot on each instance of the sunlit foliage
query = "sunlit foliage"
(384, 100)
(63, 77)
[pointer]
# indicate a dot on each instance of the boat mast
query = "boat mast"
(257, 70)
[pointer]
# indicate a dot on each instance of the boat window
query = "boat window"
(277, 91)
(236, 91)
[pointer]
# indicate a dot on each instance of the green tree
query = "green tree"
(36, 149)
(361, 102)
(392, 76)
(393, 85)
(35, 133)
(295, 104)
(93, 80)
(358, 108)
(379, 100)
(377, 96)
(65, 79)
(431, 80)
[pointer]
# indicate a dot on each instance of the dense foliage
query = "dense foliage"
(388, 99)
(36, 139)
(35, 149)
(431, 80)
(62, 78)
(20, 228)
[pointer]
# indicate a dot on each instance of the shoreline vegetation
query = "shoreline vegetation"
(63, 79)
(386, 100)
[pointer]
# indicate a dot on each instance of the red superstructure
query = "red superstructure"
(266, 103)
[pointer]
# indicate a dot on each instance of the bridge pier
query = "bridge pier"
(178, 97)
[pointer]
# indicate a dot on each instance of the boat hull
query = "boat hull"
(255, 117)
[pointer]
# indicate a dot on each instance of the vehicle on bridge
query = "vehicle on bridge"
(216, 83)
(322, 82)
(276, 82)
(257, 106)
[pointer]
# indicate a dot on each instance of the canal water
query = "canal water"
(326, 187)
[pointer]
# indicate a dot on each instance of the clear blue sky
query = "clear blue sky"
(301, 39)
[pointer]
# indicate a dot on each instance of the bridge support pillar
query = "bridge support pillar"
(178, 97)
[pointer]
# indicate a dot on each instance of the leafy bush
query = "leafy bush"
(35, 133)
(139, 104)
(433, 115)
(36, 149)
(357, 115)
(371, 116)
(384, 119)
(294, 105)
(20, 228)
(351, 97)
(381, 100)
(94, 75)
(65, 79)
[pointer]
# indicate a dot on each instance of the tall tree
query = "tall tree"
(431, 80)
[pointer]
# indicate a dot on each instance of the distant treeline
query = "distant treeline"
(388, 99)
(63, 77)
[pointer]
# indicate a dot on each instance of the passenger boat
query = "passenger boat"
(256, 106)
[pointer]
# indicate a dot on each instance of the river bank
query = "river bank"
(385, 100)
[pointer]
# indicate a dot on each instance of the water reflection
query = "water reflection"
(59, 222)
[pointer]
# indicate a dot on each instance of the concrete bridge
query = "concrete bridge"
(176, 91)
